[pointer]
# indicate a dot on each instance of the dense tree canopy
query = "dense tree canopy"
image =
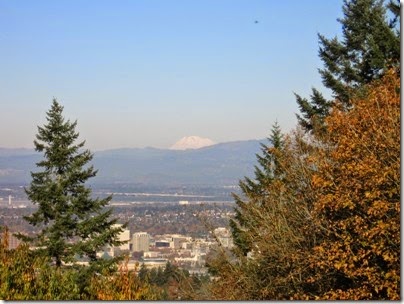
(27, 276)
(271, 229)
(358, 202)
(326, 223)
(330, 227)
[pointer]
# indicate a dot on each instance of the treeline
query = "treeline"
(324, 221)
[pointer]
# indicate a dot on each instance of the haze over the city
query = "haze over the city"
(148, 73)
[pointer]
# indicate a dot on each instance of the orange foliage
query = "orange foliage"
(358, 203)
(124, 285)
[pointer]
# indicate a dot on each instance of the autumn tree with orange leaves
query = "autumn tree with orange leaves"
(330, 228)
(358, 202)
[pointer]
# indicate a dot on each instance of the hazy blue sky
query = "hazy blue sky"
(146, 72)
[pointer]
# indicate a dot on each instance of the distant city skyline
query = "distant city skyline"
(147, 73)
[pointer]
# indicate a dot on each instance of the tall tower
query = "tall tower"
(140, 241)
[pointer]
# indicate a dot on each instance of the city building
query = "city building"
(140, 241)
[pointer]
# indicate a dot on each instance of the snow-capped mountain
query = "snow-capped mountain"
(192, 142)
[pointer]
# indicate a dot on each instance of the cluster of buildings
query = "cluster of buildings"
(155, 251)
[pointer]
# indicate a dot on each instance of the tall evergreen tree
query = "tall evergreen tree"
(272, 228)
(369, 46)
(254, 191)
(72, 223)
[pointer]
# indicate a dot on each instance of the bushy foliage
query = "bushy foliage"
(358, 202)
(27, 276)
(330, 227)
(277, 226)
(123, 285)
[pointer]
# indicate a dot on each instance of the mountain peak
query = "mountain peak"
(192, 142)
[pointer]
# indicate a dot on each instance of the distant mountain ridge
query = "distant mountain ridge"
(219, 164)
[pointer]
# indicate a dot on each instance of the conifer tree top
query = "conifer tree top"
(369, 46)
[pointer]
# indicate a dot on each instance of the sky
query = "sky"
(145, 73)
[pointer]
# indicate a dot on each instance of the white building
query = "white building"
(140, 241)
